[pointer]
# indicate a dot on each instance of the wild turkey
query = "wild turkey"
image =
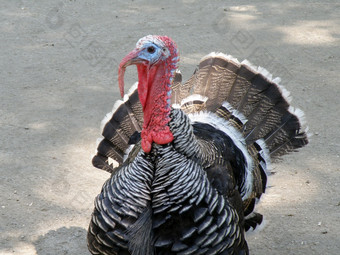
(192, 157)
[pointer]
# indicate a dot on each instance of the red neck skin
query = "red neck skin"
(154, 92)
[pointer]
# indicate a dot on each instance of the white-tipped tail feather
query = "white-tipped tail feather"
(221, 56)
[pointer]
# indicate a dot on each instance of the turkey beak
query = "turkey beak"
(130, 59)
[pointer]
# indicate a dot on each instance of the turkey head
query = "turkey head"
(156, 58)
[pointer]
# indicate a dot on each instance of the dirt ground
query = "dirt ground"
(58, 79)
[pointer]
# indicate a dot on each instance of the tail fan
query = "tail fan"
(249, 98)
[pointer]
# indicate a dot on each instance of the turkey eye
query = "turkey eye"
(151, 49)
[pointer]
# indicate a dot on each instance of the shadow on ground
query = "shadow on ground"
(62, 241)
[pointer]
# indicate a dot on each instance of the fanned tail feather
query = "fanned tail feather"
(118, 127)
(249, 98)
(177, 92)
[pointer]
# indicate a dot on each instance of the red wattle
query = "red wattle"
(163, 137)
(153, 90)
(146, 141)
(142, 84)
(160, 135)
